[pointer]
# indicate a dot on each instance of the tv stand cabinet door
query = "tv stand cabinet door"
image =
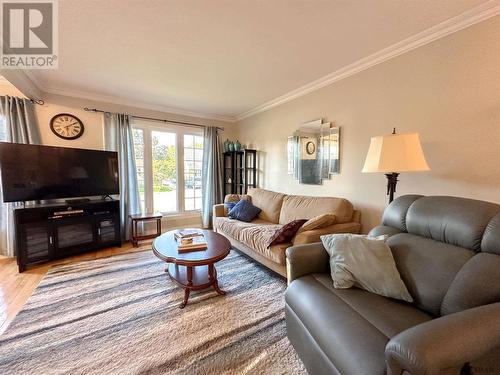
(108, 230)
(35, 243)
(73, 235)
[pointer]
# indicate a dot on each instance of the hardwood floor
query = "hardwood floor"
(16, 288)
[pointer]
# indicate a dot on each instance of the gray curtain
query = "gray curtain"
(118, 137)
(212, 174)
(17, 124)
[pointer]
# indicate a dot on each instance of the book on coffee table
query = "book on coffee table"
(199, 243)
(188, 233)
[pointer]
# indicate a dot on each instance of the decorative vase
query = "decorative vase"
(226, 145)
(231, 146)
(237, 146)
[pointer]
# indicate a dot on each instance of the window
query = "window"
(193, 158)
(169, 167)
(3, 129)
(164, 171)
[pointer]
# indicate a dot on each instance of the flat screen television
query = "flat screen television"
(34, 172)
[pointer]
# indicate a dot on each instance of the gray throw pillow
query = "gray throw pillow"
(365, 262)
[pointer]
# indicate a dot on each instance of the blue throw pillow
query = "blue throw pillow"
(244, 211)
(229, 205)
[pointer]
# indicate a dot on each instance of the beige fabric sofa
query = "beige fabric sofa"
(277, 210)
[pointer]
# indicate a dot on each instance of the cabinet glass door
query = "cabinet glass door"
(37, 242)
(72, 234)
(107, 230)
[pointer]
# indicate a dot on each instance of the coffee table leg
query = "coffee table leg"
(187, 291)
(213, 279)
(186, 297)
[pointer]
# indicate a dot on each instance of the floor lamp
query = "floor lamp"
(395, 153)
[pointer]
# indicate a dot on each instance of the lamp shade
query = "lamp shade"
(395, 153)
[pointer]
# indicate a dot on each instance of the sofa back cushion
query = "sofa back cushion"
(439, 236)
(453, 220)
(395, 215)
(491, 237)
(235, 198)
(302, 207)
(269, 202)
(476, 284)
(427, 267)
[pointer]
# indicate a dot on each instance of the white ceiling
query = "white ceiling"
(223, 57)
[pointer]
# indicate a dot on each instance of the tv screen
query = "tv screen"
(33, 172)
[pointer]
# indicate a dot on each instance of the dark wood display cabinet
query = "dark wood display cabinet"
(240, 171)
(54, 231)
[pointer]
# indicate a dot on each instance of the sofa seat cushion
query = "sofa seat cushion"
(351, 326)
(302, 207)
(256, 235)
(258, 238)
(233, 227)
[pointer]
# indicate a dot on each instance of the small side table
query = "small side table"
(141, 218)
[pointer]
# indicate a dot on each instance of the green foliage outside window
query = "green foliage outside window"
(164, 165)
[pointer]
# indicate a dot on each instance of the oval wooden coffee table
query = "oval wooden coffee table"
(194, 270)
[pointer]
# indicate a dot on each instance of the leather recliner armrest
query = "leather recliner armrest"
(445, 344)
(302, 260)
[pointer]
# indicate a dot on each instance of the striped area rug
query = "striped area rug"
(120, 315)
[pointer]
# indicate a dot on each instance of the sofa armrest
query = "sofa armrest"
(311, 236)
(305, 259)
(219, 210)
(445, 343)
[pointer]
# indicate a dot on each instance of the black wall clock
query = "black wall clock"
(66, 126)
(310, 148)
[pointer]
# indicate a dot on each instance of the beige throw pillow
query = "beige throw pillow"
(365, 262)
(317, 222)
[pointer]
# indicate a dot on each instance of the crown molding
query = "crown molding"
(133, 103)
(22, 81)
(123, 101)
(468, 18)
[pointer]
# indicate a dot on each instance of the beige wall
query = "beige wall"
(93, 136)
(448, 91)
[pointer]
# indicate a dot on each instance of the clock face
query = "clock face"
(310, 148)
(66, 126)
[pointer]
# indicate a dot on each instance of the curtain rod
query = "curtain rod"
(153, 119)
(37, 101)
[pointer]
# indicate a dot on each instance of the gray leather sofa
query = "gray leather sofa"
(447, 251)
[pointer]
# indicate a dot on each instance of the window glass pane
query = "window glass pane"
(193, 157)
(188, 141)
(198, 142)
(199, 154)
(189, 204)
(3, 129)
(164, 171)
(138, 138)
(197, 203)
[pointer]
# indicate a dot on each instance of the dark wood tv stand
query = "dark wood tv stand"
(44, 232)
